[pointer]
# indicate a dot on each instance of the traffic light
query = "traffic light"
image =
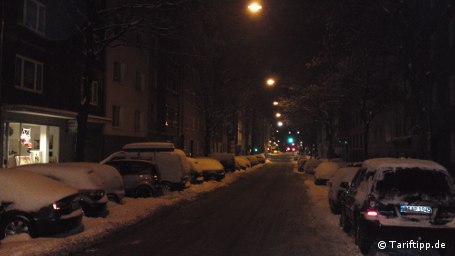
(290, 140)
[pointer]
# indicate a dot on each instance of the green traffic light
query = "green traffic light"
(290, 140)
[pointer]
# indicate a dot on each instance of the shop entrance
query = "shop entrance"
(31, 143)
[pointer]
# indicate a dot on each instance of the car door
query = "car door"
(349, 197)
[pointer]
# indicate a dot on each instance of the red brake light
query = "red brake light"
(372, 213)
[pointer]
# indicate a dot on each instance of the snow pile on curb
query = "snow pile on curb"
(120, 216)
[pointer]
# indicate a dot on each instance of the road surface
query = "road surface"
(273, 211)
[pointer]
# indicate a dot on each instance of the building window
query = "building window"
(119, 71)
(116, 115)
(172, 116)
(137, 120)
(33, 15)
(94, 92)
(28, 74)
(140, 81)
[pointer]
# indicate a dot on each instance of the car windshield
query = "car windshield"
(414, 181)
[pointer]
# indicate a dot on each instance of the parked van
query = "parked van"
(171, 162)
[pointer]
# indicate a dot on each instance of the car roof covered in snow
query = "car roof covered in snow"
(148, 146)
(381, 164)
(79, 177)
(209, 164)
(29, 191)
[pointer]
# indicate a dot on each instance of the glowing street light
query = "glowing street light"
(278, 114)
(255, 7)
(298, 132)
(280, 123)
(275, 103)
(270, 82)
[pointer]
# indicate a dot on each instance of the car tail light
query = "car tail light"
(372, 212)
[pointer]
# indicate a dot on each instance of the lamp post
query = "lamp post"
(254, 7)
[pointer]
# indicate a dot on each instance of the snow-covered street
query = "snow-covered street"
(267, 210)
(120, 216)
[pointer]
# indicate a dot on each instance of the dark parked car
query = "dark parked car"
(338, 184)
(36, 205)
(140, 177)
(399, 199)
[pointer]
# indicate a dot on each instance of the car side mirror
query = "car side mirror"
(344, 185)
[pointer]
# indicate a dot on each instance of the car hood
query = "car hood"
(29, 192)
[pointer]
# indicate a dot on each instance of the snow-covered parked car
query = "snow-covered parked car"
(338, 184)
(261, 158)
(242, 162)
(112, 180)
(36, 205)
(93, 198)
(226, 159)
(140, 177)
(211, 168)
(400, 199)
(311, 164)
(195, 170)
(325, 171)
(172, 163)
(253, 160)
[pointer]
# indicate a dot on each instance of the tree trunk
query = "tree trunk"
(329, 131)
(366, 132)
(84, 108)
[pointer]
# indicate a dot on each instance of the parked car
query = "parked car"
(242, 162)
(195, 170)
(211, 168)
(112, 180)
(325, 171)
(338, 184)
(261, 158)
(171, 163)
(399, 199)
(36, 205)
(93, 197)
(140, 177)
(310, 165)
(301, 162)
(226, 159)
(253, 160)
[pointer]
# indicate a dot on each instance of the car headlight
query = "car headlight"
(93, 194)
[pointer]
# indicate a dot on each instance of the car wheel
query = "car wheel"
(143, 192)
(17, 225)
(344, 223)
(362, 240)
(166, 187)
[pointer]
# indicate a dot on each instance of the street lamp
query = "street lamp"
(280, 123)
(270, 82)
(278, 114)
(275, 103)
(255, 7)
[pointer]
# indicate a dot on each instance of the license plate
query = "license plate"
(416, 209)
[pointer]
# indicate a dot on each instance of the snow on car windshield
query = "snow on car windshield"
(413, 181)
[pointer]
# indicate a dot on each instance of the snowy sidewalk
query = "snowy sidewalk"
(120, 216)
